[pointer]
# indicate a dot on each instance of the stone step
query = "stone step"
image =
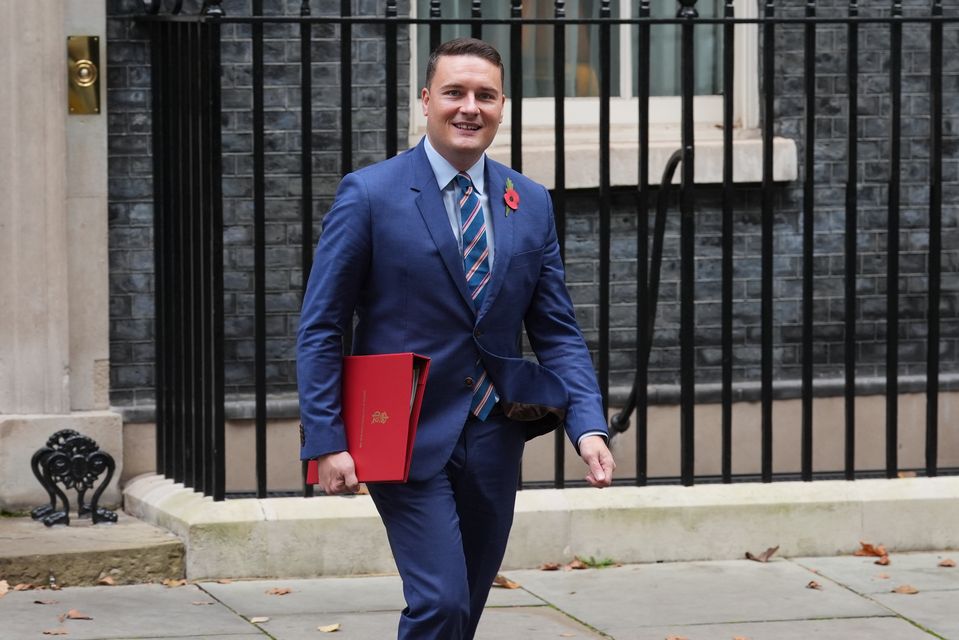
(130, 551)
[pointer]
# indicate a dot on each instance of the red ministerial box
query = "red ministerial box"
(381, 400)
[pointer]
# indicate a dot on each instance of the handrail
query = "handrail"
(619, 423)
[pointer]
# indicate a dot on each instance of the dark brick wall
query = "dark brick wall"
(131, 209)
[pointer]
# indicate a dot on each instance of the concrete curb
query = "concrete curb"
(297, 537)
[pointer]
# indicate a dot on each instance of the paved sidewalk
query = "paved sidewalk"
(697, 600)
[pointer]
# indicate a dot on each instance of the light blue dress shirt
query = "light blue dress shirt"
(445, 172)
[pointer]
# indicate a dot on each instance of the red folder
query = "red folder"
(382, 395)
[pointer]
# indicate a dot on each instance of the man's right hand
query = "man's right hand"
(337, 474)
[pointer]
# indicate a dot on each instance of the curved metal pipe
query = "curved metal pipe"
(619, 423)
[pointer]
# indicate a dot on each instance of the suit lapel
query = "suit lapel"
(430, 203)
(502, 230)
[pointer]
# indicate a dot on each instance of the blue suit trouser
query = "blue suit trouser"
(448, 534)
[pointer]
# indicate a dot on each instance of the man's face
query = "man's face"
(463, 107)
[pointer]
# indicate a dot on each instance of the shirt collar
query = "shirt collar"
(445, 172)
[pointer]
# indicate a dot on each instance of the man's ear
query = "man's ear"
(425, 99)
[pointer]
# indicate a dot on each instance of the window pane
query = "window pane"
(665, 51)
(582, 44)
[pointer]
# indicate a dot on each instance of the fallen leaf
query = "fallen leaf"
(4, 588)
(74, 614)
(883, 561)
(549, 566)
(907, 474)
(259, 619)
(764, 556)
(200, 602)
(948, 562)
(23, 586)
(46, 602)
(107, 581)
(170, 583)
(329, 628)
(504, 582)
(906, 589)
(60, 631)
(883, 576)
(224, 581)
(576, 564)
(814, 585)
(867, 549)
(279, 591)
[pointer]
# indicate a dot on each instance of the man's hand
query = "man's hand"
(596, 455)
(337, 473)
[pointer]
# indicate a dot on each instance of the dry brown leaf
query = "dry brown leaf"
(764, 556)
(199, 603)
(329, 628)
(46, 602)
(948, 563)
(883, 561)
(224, 581)
(74, 614)
(259, 619)
(4, 588)
(279, 591)
(59, 631)
(814, 585)
(24, 586)
(907, 474)
(549, 566)
(906, 589)
(107, 581)
(576, 564)
(883, 576)
(503, 582)
(170, 583)
(867, 549)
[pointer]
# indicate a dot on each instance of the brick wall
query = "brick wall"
(131, 211)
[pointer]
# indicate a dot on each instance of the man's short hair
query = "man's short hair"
(464, 47)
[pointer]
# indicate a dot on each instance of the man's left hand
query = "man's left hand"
(596, 455)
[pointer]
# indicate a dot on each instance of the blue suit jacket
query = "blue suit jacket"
(387, 252)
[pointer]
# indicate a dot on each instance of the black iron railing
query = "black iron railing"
(189, 211)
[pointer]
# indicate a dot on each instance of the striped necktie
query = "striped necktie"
(476, 267)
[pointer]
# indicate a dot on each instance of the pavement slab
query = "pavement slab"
(863, 575)
(502, 623)
(836, 629)
(932, 610)
(330, 595)
(136, 611)
(620, 600)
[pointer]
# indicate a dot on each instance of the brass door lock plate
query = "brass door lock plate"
(83, 74)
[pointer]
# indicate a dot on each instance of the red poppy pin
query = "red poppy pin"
(511, 197)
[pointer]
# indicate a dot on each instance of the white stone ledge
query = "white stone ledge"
(582, 156)
(298, 537)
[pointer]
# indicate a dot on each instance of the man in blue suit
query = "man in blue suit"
(443, 252)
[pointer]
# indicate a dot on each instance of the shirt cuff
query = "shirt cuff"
(592, 433)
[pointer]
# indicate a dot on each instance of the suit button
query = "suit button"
(469, 382)
(477, 333)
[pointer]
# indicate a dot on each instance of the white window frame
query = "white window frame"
(582, 123)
